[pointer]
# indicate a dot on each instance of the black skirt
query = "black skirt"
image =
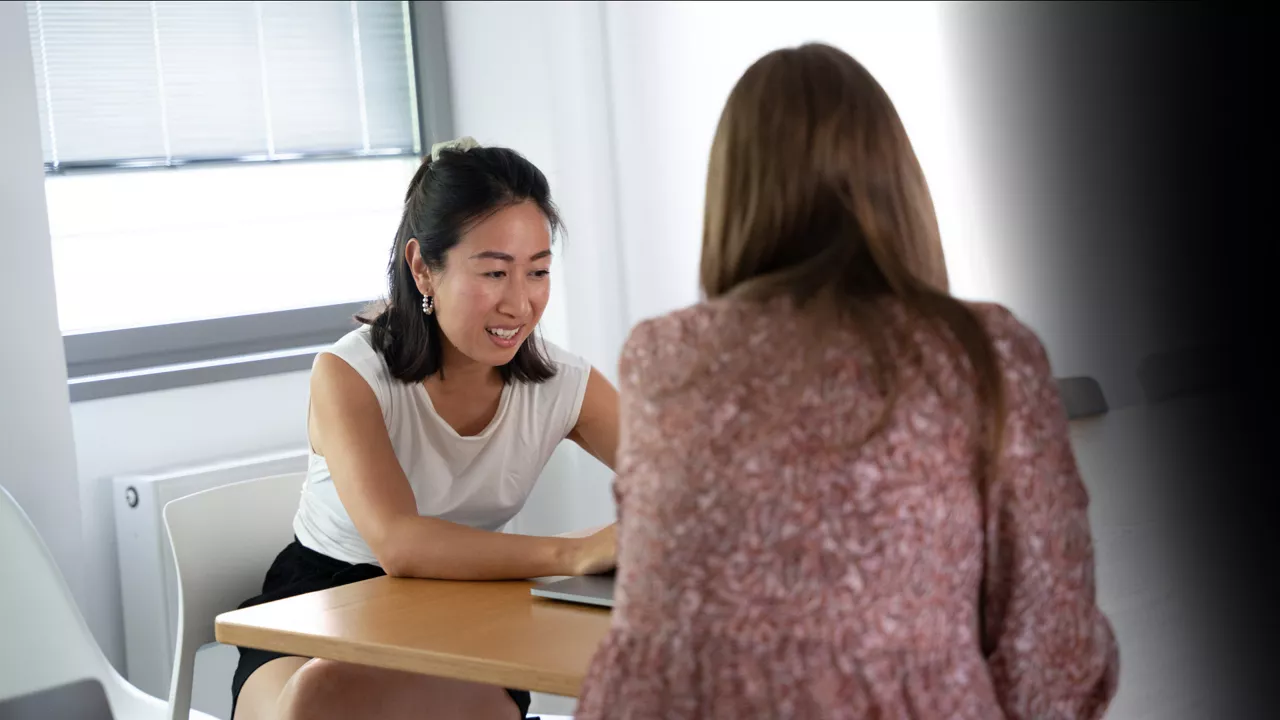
(298, 570)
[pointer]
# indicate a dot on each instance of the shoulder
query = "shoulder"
(1032, 396)
(665, 335)
(571, 370)
(561, 397)
(357, 351)
(666, 352)
(655, 336)
(564, 360)
(1018, 347)
(359, 340)
(356, 348)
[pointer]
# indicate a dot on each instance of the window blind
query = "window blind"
(124, 83)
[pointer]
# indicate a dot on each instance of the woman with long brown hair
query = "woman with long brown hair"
(842, 493)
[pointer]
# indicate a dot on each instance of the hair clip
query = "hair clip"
(462, 144)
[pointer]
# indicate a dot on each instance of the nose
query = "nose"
(515, 300)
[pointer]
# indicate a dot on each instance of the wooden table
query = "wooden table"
(489, 632)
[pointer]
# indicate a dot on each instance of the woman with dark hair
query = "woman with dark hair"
(428, 426)
(842, 492)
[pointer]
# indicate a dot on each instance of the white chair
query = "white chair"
(44, 639)
(223, 539)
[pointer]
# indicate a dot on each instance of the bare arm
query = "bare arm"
(597, 432)
(346, 427)
(597, 427)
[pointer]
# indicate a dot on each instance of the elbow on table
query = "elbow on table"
(394, 567)
(392, 552)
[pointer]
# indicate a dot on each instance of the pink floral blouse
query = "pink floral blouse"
(774, 565)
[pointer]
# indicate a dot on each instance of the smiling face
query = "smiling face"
(491, 292)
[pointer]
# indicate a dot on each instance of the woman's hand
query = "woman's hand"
(595, 553)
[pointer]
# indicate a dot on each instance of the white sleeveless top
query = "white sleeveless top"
(481, 481)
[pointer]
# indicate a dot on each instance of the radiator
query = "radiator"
(148, 580)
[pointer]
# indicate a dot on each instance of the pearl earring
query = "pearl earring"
(428, 304)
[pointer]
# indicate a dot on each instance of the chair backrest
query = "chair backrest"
(46, 641)
(1082, 397)
(223, 540)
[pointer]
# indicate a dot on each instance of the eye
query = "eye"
(540, 273)
(496, 274)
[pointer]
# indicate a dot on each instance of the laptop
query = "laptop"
(585, 590)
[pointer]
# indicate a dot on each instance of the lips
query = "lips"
(504, 337)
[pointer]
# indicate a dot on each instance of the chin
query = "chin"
(490, 353)
(498, 357)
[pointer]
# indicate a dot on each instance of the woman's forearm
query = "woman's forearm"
(425, 547)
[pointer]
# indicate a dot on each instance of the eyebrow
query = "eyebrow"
(495, 255)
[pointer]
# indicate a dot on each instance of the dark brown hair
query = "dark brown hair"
(814, 192)
(445, 198)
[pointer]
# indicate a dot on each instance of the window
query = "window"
(164, 83)
(224, 178)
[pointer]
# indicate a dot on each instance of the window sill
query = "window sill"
(163, 357)
(168, 377)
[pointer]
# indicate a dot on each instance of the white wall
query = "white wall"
(1065, 226)
(37, 455)
(529, 75)
(673, 65)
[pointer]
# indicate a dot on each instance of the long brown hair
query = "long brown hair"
(814, 192)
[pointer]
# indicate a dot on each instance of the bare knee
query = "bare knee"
(316, 690)
(261, 692)
(323, 689)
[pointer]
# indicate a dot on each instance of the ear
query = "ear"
(418, 267)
